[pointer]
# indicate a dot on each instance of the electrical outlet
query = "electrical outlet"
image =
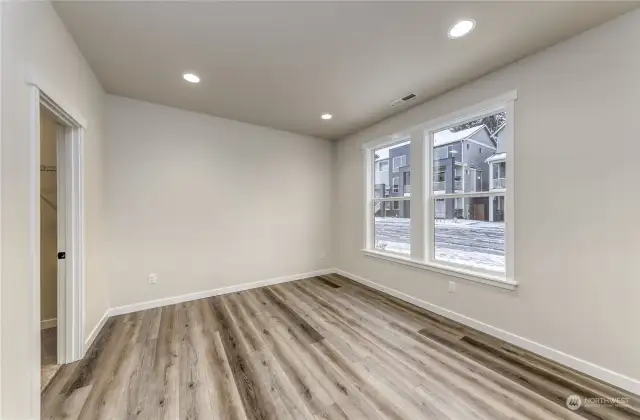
(452, 287)
(153, 278)
(323, 255)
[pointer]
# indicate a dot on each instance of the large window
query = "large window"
(391, 212)
(459, 214)
(468, 231)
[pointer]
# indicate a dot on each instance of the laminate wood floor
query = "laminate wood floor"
(48, 355)
(320, 348)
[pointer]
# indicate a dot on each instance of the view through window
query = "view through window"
(470, 158)
(391, 198)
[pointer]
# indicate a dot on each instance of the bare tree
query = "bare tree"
(493, 122)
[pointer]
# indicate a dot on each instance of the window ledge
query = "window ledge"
(488, 279)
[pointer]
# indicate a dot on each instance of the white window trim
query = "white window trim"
(421, 227)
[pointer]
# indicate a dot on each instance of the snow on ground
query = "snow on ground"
(470, 258)
(471, 243)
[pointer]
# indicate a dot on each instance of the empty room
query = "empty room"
(309, 210)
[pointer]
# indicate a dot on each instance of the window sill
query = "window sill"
(488, 279)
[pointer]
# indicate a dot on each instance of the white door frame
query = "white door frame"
(71, 286)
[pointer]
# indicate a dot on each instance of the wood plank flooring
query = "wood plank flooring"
(48, 355)
(320, 348)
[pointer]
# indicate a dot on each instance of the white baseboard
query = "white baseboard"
(48, 323)
(125, 309)
(94, 333)
(588, 368)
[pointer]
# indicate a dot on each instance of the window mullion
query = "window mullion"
(421, 229)
(368, 199)
(469, 195)
(400, 198)
(429, 204)
(416, 223)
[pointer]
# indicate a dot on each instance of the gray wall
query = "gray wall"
(500, 139)
(399, 151)
(476, 158)
(440, 150)
(448, 166)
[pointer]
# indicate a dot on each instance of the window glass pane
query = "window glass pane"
(391, 226)
(498, 172)
(392, 171)
(470, 232)
(472, 147)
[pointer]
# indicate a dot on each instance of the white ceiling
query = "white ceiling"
(284, 64)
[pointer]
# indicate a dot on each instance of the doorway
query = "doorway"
(49, 128)
(56, 237)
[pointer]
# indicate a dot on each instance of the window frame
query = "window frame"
(422, 204)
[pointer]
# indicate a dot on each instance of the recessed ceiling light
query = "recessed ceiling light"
(326, 116)
(462, 28)
(190, 77)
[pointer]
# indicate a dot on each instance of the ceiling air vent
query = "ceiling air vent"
(403, 100)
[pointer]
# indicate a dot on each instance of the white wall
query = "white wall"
(36, 45)
(206, 202)
(576, 202)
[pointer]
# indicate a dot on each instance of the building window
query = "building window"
(399, 162)
(451, 151)
(479, 149)
(467, 146)
(498, 174)
(441, 153)
(464, 213)
(468, 227)
(383, 166)
(391, 215)
(395, 184)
